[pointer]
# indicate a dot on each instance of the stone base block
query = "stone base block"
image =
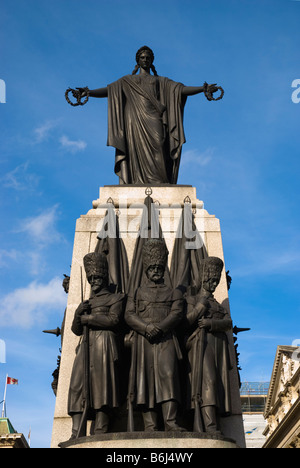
(157, 440)
(127, 202)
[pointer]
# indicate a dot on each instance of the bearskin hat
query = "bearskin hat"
(211, 266)
(95, 264)
(155, 252)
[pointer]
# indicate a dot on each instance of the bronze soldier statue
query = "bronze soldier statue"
(153, 313)
(59, 332)
(94, 384)
(208, 353)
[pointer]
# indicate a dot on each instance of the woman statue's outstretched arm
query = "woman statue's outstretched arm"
(191, 90)
(98, 93)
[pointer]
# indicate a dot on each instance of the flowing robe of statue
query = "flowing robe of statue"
(145, 125)
(106, 313)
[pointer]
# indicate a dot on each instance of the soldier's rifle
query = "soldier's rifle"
(82, 430)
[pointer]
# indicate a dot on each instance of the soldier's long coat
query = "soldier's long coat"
(104, 353)
(156, 376)
(213, 367)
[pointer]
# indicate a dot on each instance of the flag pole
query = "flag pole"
(3, 408)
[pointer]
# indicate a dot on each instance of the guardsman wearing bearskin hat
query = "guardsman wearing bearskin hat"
(153, 313)
(102, 314)
(208, 353)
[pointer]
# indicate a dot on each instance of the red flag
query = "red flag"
(11, 381)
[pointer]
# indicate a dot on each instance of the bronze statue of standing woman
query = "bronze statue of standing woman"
(145, 121)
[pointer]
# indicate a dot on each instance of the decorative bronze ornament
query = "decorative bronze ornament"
(77, 95)
(209, 94)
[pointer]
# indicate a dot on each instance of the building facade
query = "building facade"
(282, 410)
(9, 438)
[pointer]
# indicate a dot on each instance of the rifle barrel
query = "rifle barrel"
(56, 331)
(237, 330)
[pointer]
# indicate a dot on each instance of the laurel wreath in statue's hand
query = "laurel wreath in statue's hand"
(210, 89)
(78, 94)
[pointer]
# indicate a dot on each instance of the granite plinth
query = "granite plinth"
(155, 440)
(127, 202)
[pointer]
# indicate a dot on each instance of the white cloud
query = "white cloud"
(41, 228)
(7, 255)
(42, 133)
(33, 260)
(270, 264)
(195, 157)
(38, 234)
(25, 307)
(20, 179)
(72, 145)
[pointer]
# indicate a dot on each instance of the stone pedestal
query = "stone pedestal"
(158, 440)
(128, 204)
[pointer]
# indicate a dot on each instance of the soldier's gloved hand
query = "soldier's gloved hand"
(204, 323)
(83, 308)
(153, 332)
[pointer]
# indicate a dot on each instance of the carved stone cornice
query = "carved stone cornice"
(287, 433)
(279, 382)
(282, 410)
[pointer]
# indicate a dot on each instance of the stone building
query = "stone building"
(282, 410)
(253, 399)
(9, 437)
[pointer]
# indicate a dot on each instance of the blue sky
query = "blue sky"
(242, 155)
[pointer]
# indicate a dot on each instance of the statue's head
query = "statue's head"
(147, 50)
(155, 256)
(144, 59)
(211, 273)
(65, 283)
(96, 268)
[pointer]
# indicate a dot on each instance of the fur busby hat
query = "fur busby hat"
(155, 252)
(95, 264)
(211, 266)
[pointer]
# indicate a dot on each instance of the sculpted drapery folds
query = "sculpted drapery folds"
(145, 122)
(147, 131)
